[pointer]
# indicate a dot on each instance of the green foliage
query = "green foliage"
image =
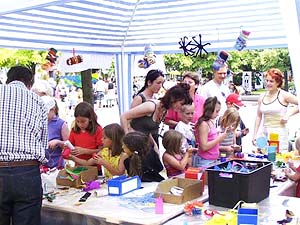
(12, 57)
(247, 60)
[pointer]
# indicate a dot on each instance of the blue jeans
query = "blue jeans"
(197, 161)
(20, 195)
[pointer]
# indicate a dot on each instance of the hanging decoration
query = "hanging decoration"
(241, 41)
(75, 59)
(148, 59)
(51, 60)
(192, 47)
(220, 60)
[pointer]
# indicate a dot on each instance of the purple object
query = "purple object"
(91, 185)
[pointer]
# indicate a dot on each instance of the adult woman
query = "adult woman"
(147, 116)
(191, 78)
(272, 108)
(153, 83)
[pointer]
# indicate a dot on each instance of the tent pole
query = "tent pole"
(290, 10)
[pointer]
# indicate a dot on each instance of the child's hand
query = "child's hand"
(52, 144)
(190, 150)
(290, 164)
(236, 147)
(287, 171)
(77, 151)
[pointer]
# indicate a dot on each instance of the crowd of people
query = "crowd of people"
(203, 121)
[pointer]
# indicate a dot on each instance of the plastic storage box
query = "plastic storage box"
(123, 184)
(227, 188)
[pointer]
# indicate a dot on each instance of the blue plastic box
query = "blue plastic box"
(123, 184)
(247, 216)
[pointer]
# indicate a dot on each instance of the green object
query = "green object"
(78, 170)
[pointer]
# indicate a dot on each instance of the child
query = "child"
(234, 101)
(111, 156)
(184, 126)
(86, 135)
(173, 159)
(142, 160)
(293, 172)
(231, 120)
(58, 133)
(206, 134)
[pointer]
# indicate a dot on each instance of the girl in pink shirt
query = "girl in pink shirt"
(206, 134)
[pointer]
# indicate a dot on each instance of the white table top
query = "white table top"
(114, 209)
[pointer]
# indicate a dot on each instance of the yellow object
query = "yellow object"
(273, 137)
(229, 218)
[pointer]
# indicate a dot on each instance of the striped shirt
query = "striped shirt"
(23, 124)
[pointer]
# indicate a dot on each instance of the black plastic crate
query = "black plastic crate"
(227, 188)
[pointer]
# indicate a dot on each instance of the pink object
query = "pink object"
(159, 205)
(66, 153)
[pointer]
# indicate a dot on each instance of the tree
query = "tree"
(247, 60)
(29, 58)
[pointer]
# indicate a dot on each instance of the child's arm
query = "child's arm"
(203, 137)
(114, 171)
(80, 151)
(65, 132)
(295, 176)
(90, 162)
(173, 162)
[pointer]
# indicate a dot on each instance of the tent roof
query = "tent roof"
(114, 26)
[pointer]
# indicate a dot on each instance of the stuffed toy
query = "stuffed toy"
(149, 58)
(51, 60)
(51, 56)
(220, 60)
(74, 60)
(241, 40)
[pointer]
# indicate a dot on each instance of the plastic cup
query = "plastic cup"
(272, 153)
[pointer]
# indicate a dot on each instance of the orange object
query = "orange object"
(274, 143)
(196, 173)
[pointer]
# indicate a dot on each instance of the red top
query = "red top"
(86, 140)
(298, 184)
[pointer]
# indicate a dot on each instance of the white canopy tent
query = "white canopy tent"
(123, 27)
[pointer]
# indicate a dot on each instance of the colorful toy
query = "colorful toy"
(75, 59)
(240, 43)
(193, 208)
(289, 217)
(149, 58)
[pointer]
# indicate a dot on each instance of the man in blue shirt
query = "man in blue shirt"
(23, 140)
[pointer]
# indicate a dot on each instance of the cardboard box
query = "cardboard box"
(65, 179)
(227, 188)
(192, 189)
(122, 185)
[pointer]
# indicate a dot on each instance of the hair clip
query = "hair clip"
(136, 152)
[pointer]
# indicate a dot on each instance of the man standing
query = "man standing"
(215, 87)
(23, 140)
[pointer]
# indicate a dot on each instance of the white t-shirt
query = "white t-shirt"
(212, 89)
(187, 131)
